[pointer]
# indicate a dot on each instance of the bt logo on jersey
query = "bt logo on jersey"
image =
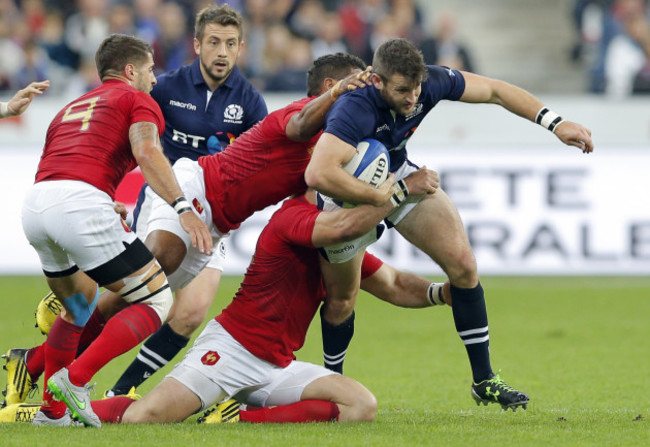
(185, 138)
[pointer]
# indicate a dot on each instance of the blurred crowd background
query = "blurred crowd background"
(582, 46)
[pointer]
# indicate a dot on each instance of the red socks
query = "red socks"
(111, 410)
(60, 349)
(303, 411)
(122, 332)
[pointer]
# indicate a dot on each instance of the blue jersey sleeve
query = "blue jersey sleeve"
(259, 111)
(444, 83)
(351, 118)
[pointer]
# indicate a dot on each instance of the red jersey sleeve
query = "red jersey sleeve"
(370, 265)
(296, 221)
(145, 109)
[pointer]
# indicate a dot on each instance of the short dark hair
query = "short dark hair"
(222, 15)
(335, 66)
(117, 50)
(399, 56)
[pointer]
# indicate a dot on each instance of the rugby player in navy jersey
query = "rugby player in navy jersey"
(404, 90)
(206, 105)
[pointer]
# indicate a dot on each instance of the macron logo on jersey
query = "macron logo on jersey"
(381, 128)
(182, 105)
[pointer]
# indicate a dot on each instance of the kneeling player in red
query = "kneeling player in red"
(247, 352)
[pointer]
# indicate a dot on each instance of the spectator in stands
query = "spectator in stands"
(627, 60)
(173, 47)
(87, 28)
(291, 77)
(53, 42)
(329, 36)
(445, 47)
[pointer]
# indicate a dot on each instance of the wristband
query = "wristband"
(434, 294)
(400, 192)
(4, 109)
(548, 119)
(181, 205)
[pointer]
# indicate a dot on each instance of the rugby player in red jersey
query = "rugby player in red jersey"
(82, 244)
(247, 352)
(261, 167)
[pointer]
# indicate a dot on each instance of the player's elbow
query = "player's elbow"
(314, 177)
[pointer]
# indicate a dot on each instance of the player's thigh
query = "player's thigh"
(434, 226)
(288, 385)
(169, 401)
(72, 223)
(200, 292)
(342, 280)
(218, 366)
(355, 401)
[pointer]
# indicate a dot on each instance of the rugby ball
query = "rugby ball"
(370, 163)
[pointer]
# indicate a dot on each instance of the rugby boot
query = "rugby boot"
(495, 390)
(19, 382)
(19, 412)
(224, 413)
(46, 312)
(77, 398)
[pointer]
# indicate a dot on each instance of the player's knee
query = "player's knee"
(149, 286)
(364, 408)
(336, 311)
(462, 270)
(167, 248)
(186, 321)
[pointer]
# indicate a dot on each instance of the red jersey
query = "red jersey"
(260, 168)
(88, 140)
(283, 286)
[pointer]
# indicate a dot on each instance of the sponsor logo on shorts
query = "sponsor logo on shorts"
(332, 251)
(197, 205)
(210, 358)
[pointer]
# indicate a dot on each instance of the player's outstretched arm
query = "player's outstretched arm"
(158, 173)
(22, 99)
(400, 288)
(479, 89)
(309, 121)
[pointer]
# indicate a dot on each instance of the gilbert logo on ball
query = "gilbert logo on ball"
(370, 163)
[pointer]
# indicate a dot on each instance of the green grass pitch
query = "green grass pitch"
(579, 346)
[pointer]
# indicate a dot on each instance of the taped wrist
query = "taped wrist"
(434, 294)
(181, 205)
(400, 193)
(4, 109)
(548, 119)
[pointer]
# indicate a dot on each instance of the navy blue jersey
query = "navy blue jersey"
(363, 113)
(195, 127)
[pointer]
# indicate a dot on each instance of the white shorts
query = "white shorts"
(217, 367)
(73, 223)
(407, 205)
(156, 214)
